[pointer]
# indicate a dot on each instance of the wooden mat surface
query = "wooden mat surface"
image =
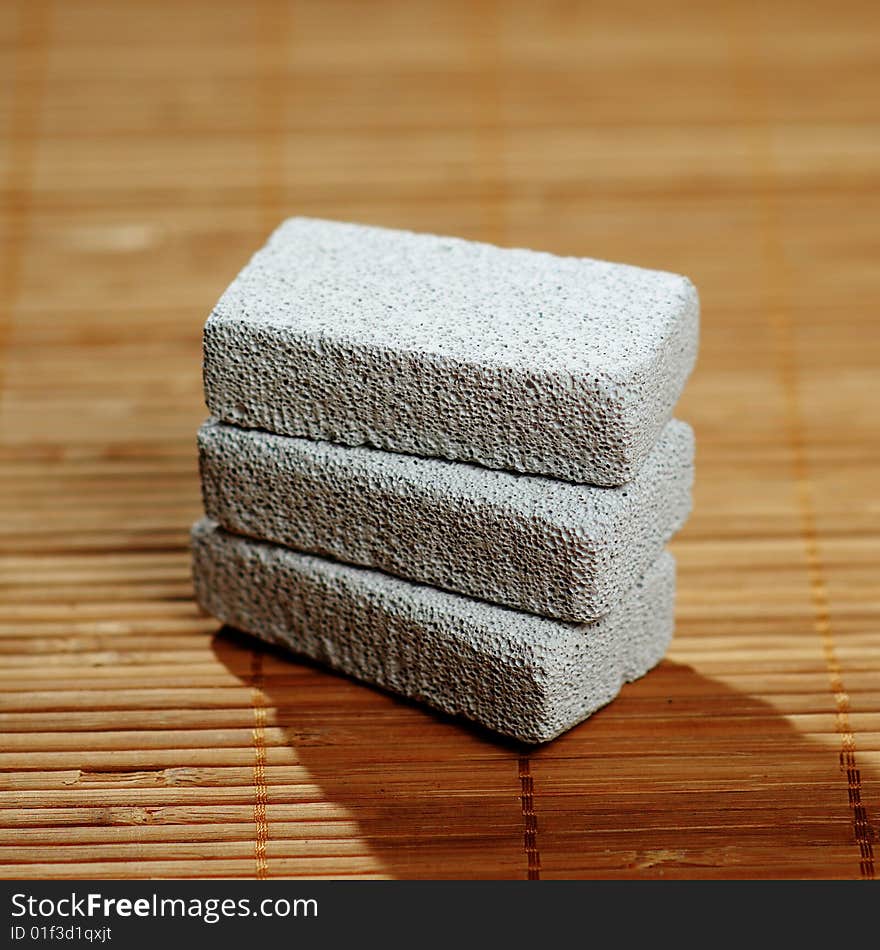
(147, 148)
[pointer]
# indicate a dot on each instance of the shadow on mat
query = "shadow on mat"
(681, 776)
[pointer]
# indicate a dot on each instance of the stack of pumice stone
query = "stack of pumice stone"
(448, 469)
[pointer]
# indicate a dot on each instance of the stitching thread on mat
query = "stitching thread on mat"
(530, 819)
(862, 829)
(779, 282)
(272, 38)
(261, 822)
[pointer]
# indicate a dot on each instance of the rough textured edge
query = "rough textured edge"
(548, 547)
(521, 675)
(289, 402)
(596, 425)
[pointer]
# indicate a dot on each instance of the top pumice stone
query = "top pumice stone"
(436, 346)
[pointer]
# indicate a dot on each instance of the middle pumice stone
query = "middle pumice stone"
(549, 547)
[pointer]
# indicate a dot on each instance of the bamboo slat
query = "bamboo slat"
(146, 149)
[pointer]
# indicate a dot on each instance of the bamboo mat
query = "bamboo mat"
(146, 149)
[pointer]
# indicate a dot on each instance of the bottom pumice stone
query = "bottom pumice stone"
(516, 673)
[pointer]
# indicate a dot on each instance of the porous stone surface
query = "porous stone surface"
(436, 346)
(525, 676)
(542, 545)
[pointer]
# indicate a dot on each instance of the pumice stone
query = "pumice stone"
(521, 675)
(440, 347)
(541, 545)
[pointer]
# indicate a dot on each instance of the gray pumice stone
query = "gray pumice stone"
(436, 346)
(546, 546)
(524, 676)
